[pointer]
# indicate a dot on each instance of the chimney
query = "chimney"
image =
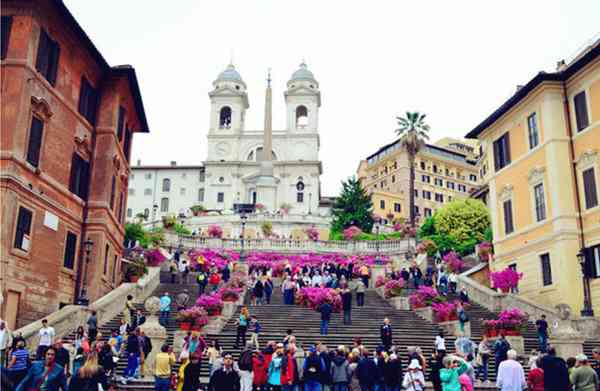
(139, 162)
(560, 65)
(173, 163)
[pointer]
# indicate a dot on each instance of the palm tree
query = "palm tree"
(413, 135)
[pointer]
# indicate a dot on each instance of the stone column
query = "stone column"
(154, 331)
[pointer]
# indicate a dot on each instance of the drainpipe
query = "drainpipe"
(587, 301)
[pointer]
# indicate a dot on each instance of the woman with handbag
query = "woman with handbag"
(45, 375)
(91, 376)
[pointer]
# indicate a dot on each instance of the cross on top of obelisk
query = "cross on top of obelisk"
(269, 78)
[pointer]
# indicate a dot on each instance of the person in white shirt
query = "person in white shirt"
(440, 343)
(5, 341)
(414, 380)
(511, 376)
(317, 280)
(46, 335)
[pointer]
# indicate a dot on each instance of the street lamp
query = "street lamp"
(243, 217)
(587, 299)
(154, 210)
(88, 245)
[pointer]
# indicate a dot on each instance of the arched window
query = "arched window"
(164, 205)
(146, 212)
(166, 185)
(301, 117)
(225, 118)
(300, 191)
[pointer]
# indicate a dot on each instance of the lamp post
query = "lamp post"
(309, 202)
(88, 245)
(154, 210)
(243, 217)
(587, 299)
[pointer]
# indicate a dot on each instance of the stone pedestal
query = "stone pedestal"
(567, 347)
(154, 331)
(453, 328)
(400, 302)
(425, 313)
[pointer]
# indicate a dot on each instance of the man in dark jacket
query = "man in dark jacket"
(313, 370)
(556, 374)
(366, 371)
(225, 378)
(62, 355)
(392, 372)
(258, 292)
(386, 334)
(340, 372)
(347, 305)
(325, 309)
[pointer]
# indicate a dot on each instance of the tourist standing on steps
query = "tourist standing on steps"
(62, 357)
(325, 309)
(165, 308)
(366, 371)
(483, 358)
(242, 327)
(414, 380)
(129, 312)
(510, 376)
(364, 275)
(556, 374)
(347, 305)
(541, 326)
(163, 367)
(313, 369)
(213, 353)
(501, 348)
(201, 280)
(463, 345)
(535, 378)
(454, 366)
(191, 373)
(91, 376)
(92, 324)
(440, 344)
(254, 331)
(289, 370)
(462, 316)
(583, 377)
(134, 351)
(453, 282)
(258, 291)
(268, 288)
(5, 342)
(288, 291)
(464, 296)
(435, 363)
(18, 363)
(182, 300)
(360, 293)
(392, 373)
(184, 270)
(173, 269)
(340, 371)
(385, 332)
(245, 366)
(274, 371)
(214, 281)
(45, 375)
(46, 335)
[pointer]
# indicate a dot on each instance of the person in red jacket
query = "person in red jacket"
(535, 379)
(260, 365)
(289, 369)
(214, 280)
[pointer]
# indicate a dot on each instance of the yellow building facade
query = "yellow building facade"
(540, 166)
(441, 175)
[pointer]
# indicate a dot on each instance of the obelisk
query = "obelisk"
(266, 184)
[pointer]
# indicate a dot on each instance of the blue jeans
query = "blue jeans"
(347, 317)
(163, 318)
(132, 363)
(324, 326)
(340, 387)
(392, 388)
(483, 367)
(367, 387)
(287, 387)
(162, 383)
(543, 340)
(312, 386)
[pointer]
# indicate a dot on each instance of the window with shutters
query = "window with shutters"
(47, 57)
(164, 205)
(113, 188)
(23, 229)
(393, 178)
(381, 204)
(79, 179)
(35, 141)
(426, 178)
(546, 269)
(422, 165)
(589, 188)
(416, 193)
(508, 217)
(105, 268)
(473, 177)
(426, 194)
(88, 101)
(438, 182)
(592, 255)
(220, 197)
(450, 185)
(540, 202)
(397, 207)
(416, 210)
(299, 197)
(120, 124)
(532, 131)
(201, 195)
(427, 212)
(6, 25)
(462, 188)
(70, 248)
(581, 112)
(439, 197)
(502, 152)
(166, 185)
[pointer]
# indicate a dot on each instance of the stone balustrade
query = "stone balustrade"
(383, 247)
(68, 318)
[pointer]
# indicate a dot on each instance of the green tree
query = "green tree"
(464, 220)
(134, 232)
(413, 135)
(352, 207)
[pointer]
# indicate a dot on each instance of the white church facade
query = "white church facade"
(236, 168)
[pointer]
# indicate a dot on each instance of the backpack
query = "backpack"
(201, 277)
(245, 363)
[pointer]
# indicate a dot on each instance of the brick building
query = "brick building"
(68, 120)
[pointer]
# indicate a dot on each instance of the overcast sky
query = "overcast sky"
(455, 60)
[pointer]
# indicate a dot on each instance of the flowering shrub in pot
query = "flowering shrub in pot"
(314, 297)
(424, 297)
(214, 231)
(484, 250)
(352, 232)
(230, 293)
(454, 262)
(393, 288)
(428, 247)
(192, 318)
(380, 281)
(312, 233)
(212, 303)
(444, 312)
(506, 279)
(154, 257)
(511, 321)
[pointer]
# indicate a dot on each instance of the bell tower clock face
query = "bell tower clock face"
(223, 149)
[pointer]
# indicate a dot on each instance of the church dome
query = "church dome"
(303, 74)
(230, 74)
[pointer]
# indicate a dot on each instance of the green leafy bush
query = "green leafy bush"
(463, 220)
